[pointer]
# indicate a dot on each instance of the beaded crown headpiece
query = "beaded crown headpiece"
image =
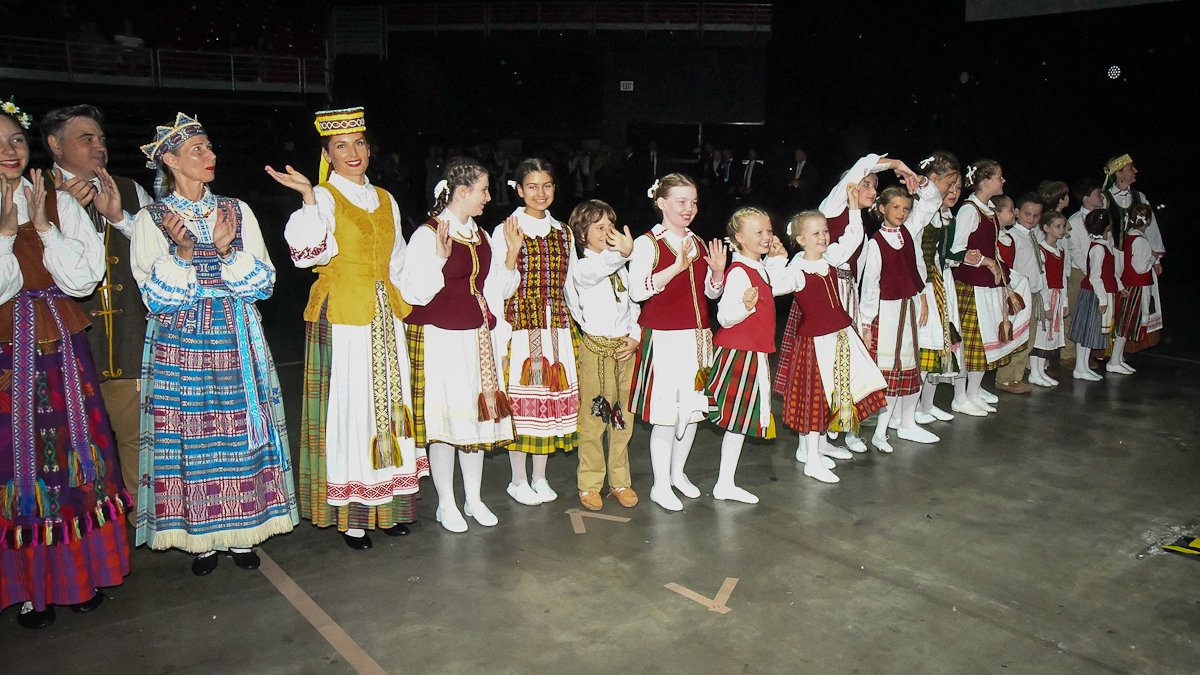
(167, 138)
(336, 123)
(1117, 163)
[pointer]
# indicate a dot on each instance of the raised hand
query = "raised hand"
(225, 231)
(8, 208)
(777, 248)
(178, 232)
(620, 241)
(852, 201)
(515, 240)
(441, 239)
(683, 257)
(717, 258)
(750, 298)
(35, 199)
(294, 180)
(906, 175)
(82, 190)
(108, 198)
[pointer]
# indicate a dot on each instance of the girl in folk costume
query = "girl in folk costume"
(214, 438)
(832, 383)
(671, 273)
(1139, 309)
(740, 379)
(609, 323)
(458, 399)
(980, 286)
(1050, 332)
(535, 326)
(846, 241)
(893, 307)
(1092, 314)
(938, 337)
(359, 463)
(62, 501)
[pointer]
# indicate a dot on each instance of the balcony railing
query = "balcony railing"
(583, 16)
(55, 61)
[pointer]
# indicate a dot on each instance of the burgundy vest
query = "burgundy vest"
(1007, 252)
(675, 308)
(455, 307)
(899, 278)
(757, 332)
(1130, 276)
(1108, 272)
(1054, 269)
(983, 239)
(821, 311)
(837, 227)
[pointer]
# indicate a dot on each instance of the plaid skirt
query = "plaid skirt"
(733, 385)
(805, 403)
(787, 351)
(900, 381)
(973, 355)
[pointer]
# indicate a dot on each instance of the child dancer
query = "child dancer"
(1026, 268)
(1087, 191)
(1049, 338)
(939, 342)
(543, 387)
(739, 381)
(670, 273)
(1139, 310)
(457, 386)
(891, 310)
(1092, 315)
(609, 323)
(979, 281)
(833, 383)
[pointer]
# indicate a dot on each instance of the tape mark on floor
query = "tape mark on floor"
(714, 604)
(355, 656)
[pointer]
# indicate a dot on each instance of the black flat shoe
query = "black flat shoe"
(357, 543)
(205, 565)
(36, 620)
(247, 561)
(85, 607)
(397, 530)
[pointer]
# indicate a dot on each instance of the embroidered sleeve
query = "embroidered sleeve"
(641, 270)
(167, 282)
(309, 231)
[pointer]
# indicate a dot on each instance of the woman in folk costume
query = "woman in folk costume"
(980, 284)
(671, 272)
(893, 307)
(359, 464)
(214, 438)
(1057, 270)
(458, 399)
(938, 336)
(1092, 315)
(535, 326)
(833, 383)
(1139, 309)
(62, 502)
(846, 241)
(739, 381)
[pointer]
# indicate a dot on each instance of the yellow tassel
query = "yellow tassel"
(408, 423)
(526, 372)
(557, 378)
(770, 429)
(701, 378)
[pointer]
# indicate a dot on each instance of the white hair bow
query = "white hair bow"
(926, 162)
(439, 188)
(971, 173)
(653, 189)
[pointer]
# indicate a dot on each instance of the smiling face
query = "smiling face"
(471, 200)
(80, 147)
(14, 149)
(536, 189)
(754, 237)
(679, 206)
(193, 161)
(349, 155)
(813, 237)
(868, 189)
(1028, 214)
(596, 237)
(896, 211)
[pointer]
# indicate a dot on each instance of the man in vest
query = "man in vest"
(74, 137)
(1119, 176)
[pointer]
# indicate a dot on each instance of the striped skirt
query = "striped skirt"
(1128, 323)
(669, 376)
(737, 383)
(1087, 325)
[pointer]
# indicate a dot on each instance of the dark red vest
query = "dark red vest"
(821, 311)
(677, 306)
(1007, 252)
(757, 332)
(1130, 276)
(1108, 272)
(983, 239)
(837, 227)
(455, 307)
(899, 277)
(1054, 268)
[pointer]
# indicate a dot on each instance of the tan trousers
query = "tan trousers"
(1014, 371)
(122, 399)
(1068, 352)
(618, 377)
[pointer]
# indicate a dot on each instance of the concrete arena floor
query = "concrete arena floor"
(1023, 543)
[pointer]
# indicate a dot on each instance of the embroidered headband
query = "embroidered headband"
(337, 123)
(23, 118)
(1116, 164)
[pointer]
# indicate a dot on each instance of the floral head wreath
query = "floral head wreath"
(653, 189)
(23, 118)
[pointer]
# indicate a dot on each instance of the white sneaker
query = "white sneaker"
(733, 493)
(666, 498)
(1040, 381)
(685, 486)
(541, 488)
(481, 513)
(939, 414)
(855, 444)
(831, 450)
(451, 519)
(821, 473)
(881, 443)
(968, 408)
(1087, 375)
(987, 407)
(524, 494)
(802, 457)
(987, 396)
(923, 417)
(917, 435)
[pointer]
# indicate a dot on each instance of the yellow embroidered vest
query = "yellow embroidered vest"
(345, 288)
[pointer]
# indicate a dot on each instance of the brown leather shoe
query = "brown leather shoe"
(625, 496)
(591, 500)
(1014, 387)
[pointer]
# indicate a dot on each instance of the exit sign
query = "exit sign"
(626, 85)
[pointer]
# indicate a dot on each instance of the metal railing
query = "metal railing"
(57, 61)
(586, 16)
